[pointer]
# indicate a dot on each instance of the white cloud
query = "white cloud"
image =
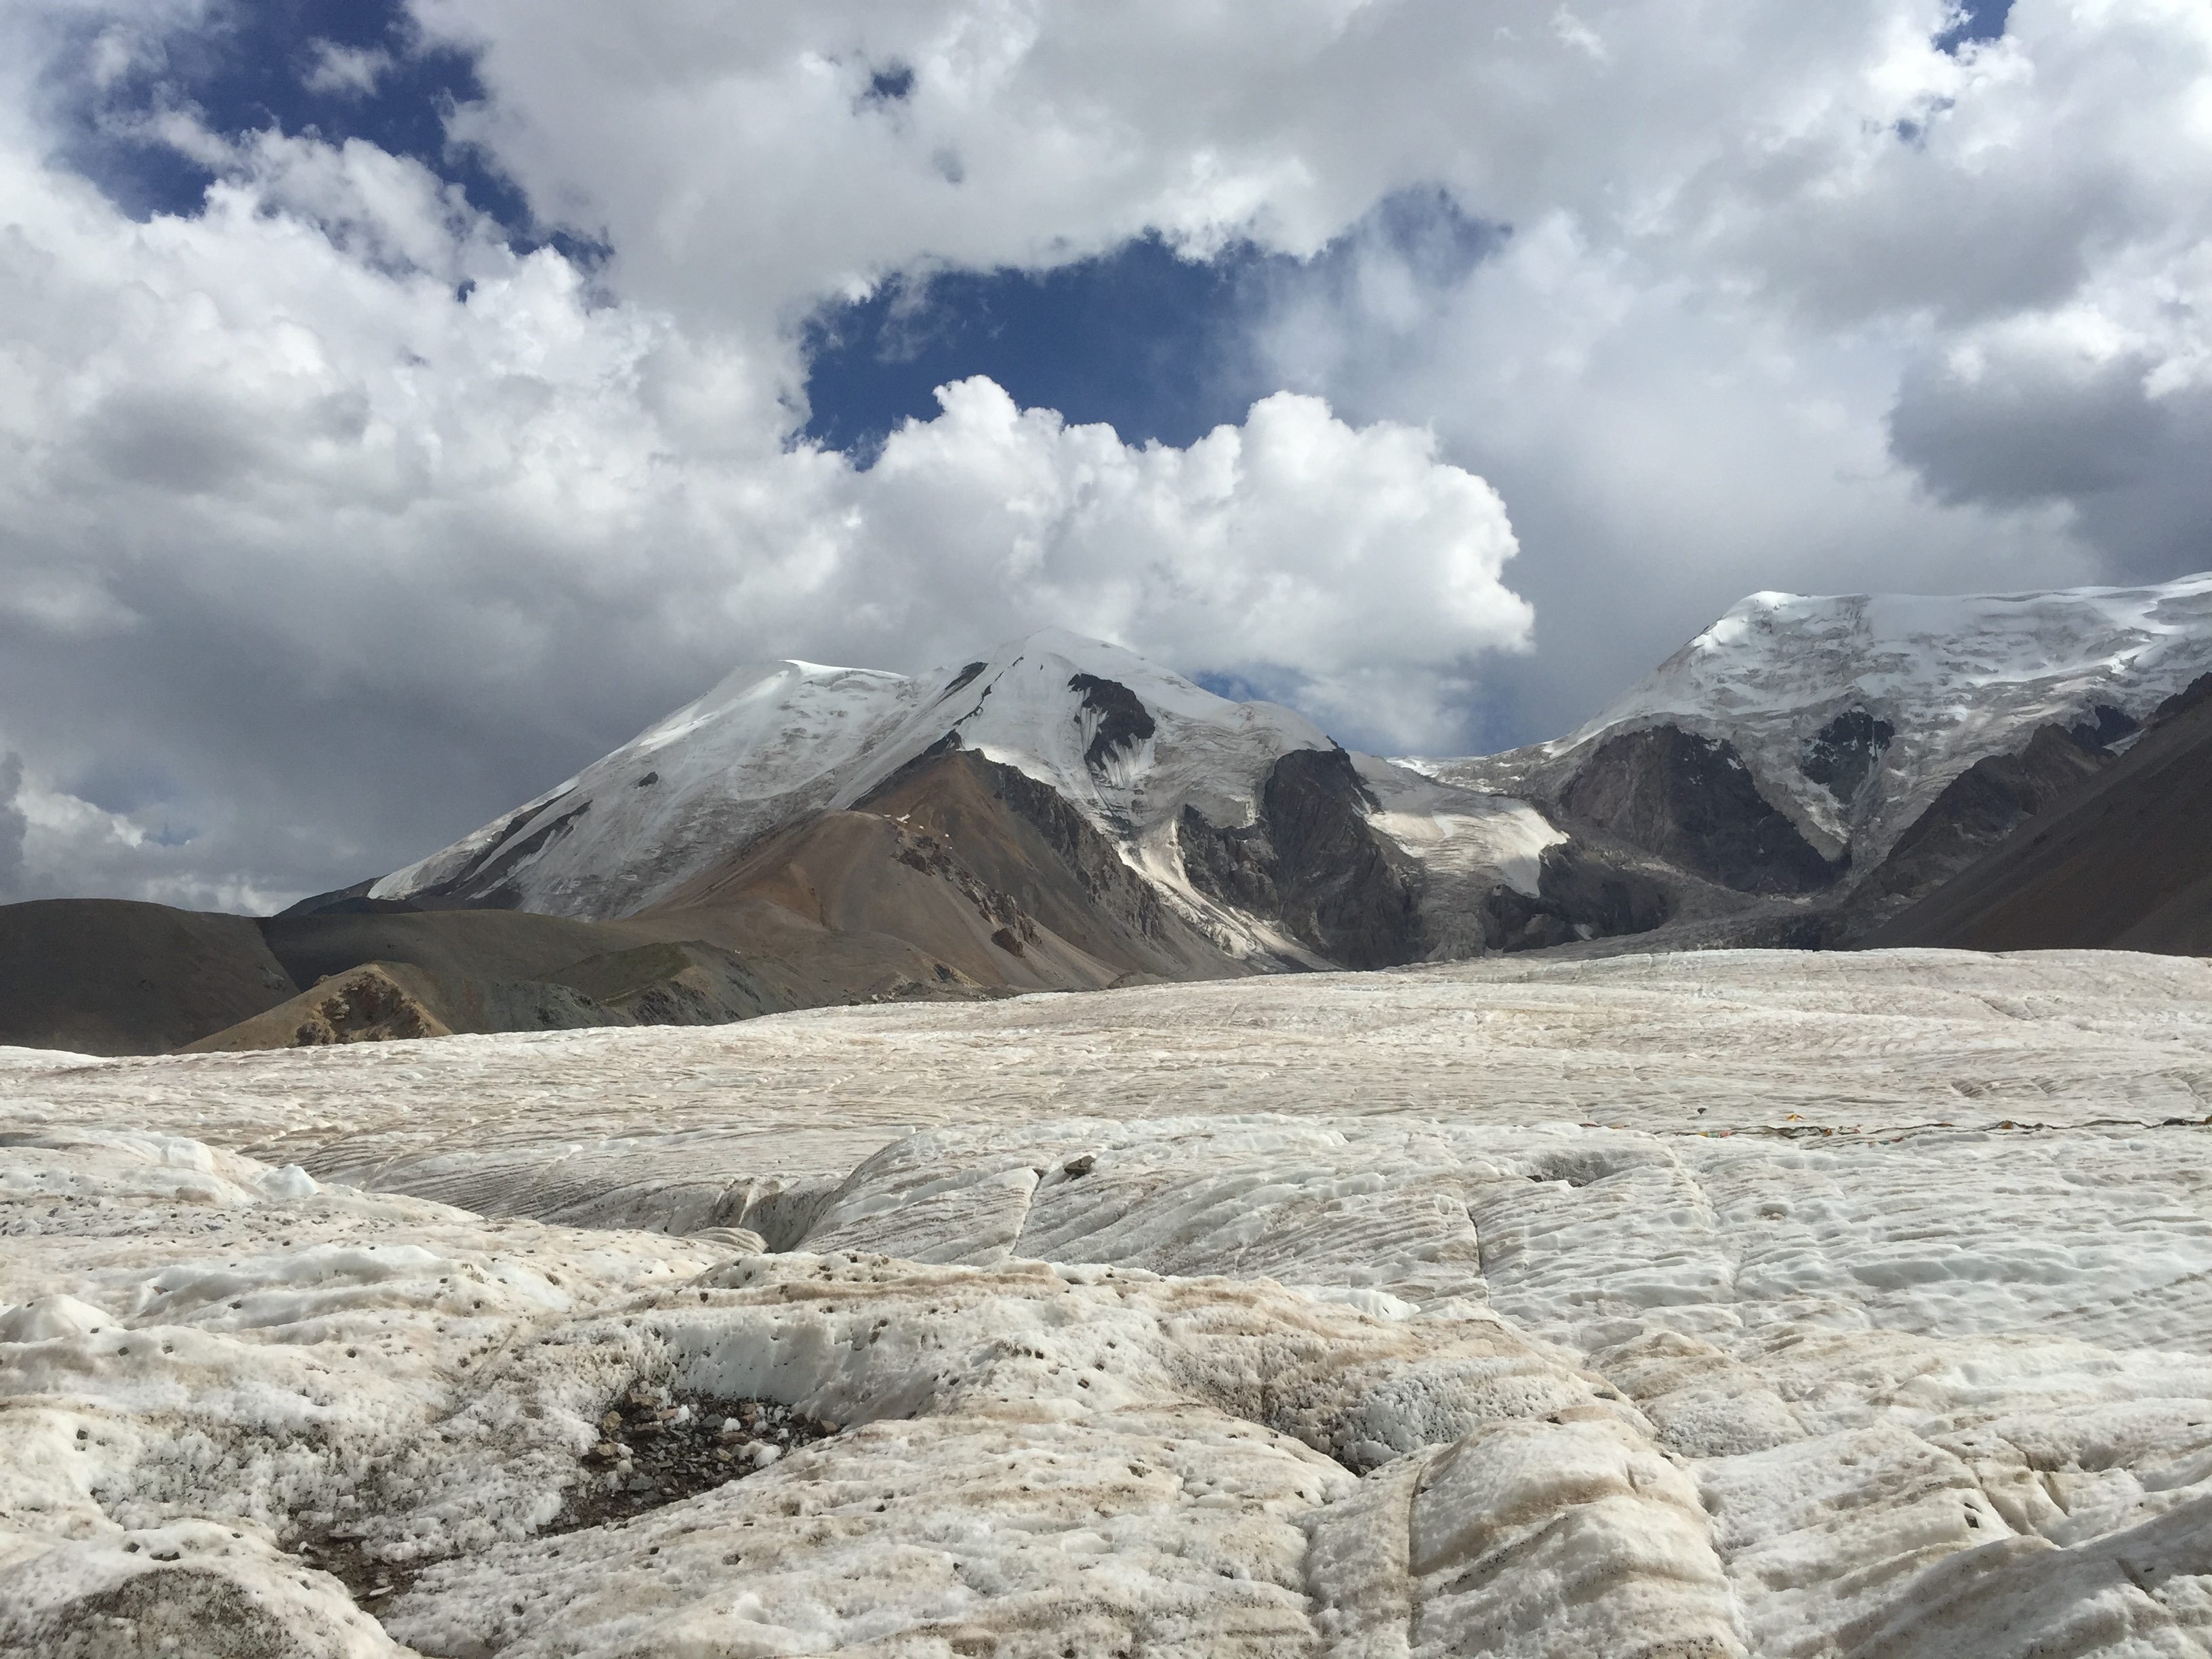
(1353, 562)
(1664, 452)
(346, 71)
(1795, 213)
(314, 560)
(311, 562)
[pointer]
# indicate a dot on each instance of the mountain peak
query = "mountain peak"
(1948, 677)
(1128, 743)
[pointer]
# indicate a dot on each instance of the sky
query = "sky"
(403, 402)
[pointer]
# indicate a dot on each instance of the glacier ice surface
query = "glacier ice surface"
(1730, 1302)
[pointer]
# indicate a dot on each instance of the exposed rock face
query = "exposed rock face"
(1031, 859)
(1842, 754)
(1803, 687)
(1123, 719)
(987, 877)
(1088, 856)
(1311, 862)
(1692, 800)
(1602, 894)
(2105, 727)
(1583, 892)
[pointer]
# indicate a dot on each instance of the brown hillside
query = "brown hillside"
(956, 874)
(386, 1002)
(113, 976)
(2122, 861)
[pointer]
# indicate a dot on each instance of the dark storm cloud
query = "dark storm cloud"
(2134, 468)
(12, 825)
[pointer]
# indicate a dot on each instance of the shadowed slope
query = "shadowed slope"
(2125, 860)
(113, 976)
(385, 1001)
(456, 945)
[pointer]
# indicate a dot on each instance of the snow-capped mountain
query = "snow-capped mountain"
(1062, 812)
(1198, 798)
(1853, 713)
(1127, 744)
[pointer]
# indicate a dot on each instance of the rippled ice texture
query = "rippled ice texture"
(1731, 1302)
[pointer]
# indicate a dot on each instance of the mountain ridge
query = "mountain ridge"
(1892, 696)
(1060, 814)
(1148, 759)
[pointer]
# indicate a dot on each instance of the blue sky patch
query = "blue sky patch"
(1157, 346)
(338, 68)
(1978, 20)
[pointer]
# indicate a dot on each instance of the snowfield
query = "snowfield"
(1733, 1302)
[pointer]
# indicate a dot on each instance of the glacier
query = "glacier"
(1721, 1302)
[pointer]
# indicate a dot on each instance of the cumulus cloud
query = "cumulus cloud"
(1353, 565)
(1663, 453)
(1835, 150)
(336, 523)
(1777, 222)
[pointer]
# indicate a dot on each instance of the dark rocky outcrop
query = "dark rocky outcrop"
(1692, 801)
(1123, 720)
(2105, 727)
(1601, 893)
(1097, 866)
(1842, 755)
(1311, 862)
(1583, 892)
